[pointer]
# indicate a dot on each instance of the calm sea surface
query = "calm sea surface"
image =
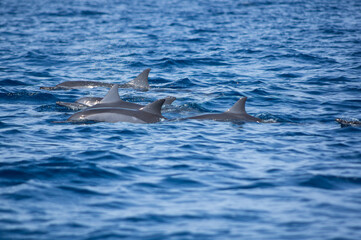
(296, 177)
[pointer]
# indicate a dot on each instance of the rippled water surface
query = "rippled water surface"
(296, 177)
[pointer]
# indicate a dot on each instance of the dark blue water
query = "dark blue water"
(298, 62)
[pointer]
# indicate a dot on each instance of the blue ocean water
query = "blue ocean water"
(296, 177)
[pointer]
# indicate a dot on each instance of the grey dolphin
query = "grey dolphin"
(139, 83)
(345, 123)
(150, 113)
(236, 113)
(89, 101)
(81, 103)
(112, 99)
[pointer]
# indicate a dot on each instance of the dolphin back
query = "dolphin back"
(154, 107)
(140, 82)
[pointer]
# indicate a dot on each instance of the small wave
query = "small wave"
(260, 91)
(112, 205)
(25, 96)
(309, 57)
(146, 187)
(328, 80)
(81, 191)
(11, 177)
(194, 40)
(302, 57)
(11, 132)
(72, 13)
(138, 64)
(158, 80)
(271, 120)
(91, 13)
(95, 155)
(9, 82)
(331, 182)
(248, 51)
(4, 125)
(109, 234)
(35, 54)
(196, 31)
(181, 83)
(61, 13)
(357, 67)
(169, 62)
(190, 107)
(181, 182)
(256, 3)
(52, 108)
(288, 75)
(39, 74)
(251, 186)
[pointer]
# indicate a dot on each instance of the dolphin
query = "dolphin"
(237, 113)
(150, 113)
(89, 101)
(139, 83)
(345, 123)
(112, 99)
(81, 103)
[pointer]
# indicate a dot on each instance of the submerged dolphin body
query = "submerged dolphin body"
(112, 99)
(345, 123)
(139, 83)
(81, 103)
(89, 101)
(237, 113)
(150, 113)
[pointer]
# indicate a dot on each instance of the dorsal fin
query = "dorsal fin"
(112, 95)
(154, 107)
(239, 106)
(142, 80)
(169, 100)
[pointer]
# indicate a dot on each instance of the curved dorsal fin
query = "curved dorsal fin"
(154, 107)
(169, 100)
(112, 95)
(142, 80)
(239, 106)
